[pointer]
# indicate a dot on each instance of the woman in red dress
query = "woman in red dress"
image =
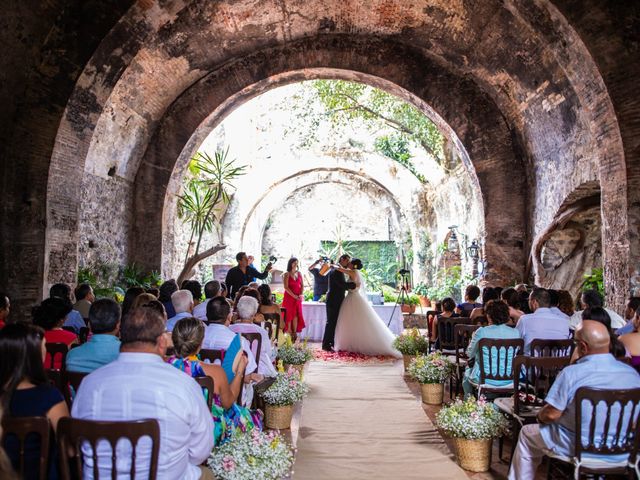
(292, 301)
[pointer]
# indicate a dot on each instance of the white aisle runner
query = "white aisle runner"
(361, 422)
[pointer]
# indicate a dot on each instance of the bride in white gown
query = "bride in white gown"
(359, 328)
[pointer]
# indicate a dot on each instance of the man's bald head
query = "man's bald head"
(595, 335)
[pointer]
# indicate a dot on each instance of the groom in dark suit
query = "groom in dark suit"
(335, 295)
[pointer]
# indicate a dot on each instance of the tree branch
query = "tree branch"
(188, 269)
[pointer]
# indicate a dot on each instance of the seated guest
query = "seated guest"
(629, 315)
(521, 288)
(247, 309)
(555, 431)
(218, 336)
(600, 315)
(103, 346)
(229, 418)
(84, 297)
(6, 469)
(195, 287)
(182, 302)
(631, 341)
(74, 318)
(524, 302)
(25, 391)
(50, 315)
(5, 308)
(497, 313)
(565, 303)
(154, 291)
(258, 318)
(140, 384)
(211, 290)
(448, 306)
(592, 299)
(488, 294)
(143, 299)
(167, 289)
(512, 298)
(129, 299)
(542, 323)
(554, 302)
(267, 307)
(471, 294)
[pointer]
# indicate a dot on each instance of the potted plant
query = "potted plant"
(421, 291)
(472, 424)
(280, 397)
(294, 355)
(410, 344)
(410, 304)
(264, 455)
(431, 371)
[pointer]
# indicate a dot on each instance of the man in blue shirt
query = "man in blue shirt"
(543, 322)
(104, 346)
(74, 318)
(629, 313)
(555, 432)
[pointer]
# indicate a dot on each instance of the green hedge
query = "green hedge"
(380, 258)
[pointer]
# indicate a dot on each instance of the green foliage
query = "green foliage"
(421, 289)
(396, 147)
(308, 295)
(109, 280)
(378, 257)
(449, 282)
(346, 101)
(594, 280)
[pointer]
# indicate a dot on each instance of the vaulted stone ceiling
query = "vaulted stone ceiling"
(105, 100)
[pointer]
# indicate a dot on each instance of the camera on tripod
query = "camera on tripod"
(404, 272)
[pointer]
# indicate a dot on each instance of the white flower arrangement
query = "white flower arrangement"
(472, 419)
(433, 368)
(287, 389)
(294, 354)
(251, 456)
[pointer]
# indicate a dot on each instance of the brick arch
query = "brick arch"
(540, 95)
(481, 132)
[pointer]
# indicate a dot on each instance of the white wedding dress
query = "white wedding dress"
(359, 328)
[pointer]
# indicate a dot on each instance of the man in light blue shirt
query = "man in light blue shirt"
(555, 433)
(104, 346)
(74, 318)
(182, 301)
(633, 304)
(543, 322)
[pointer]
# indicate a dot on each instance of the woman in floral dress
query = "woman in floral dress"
(229, 418)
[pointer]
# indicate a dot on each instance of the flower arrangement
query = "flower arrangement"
(253, 455)
(411, 343)
(433, 368)
(287, 389)
(294, 354)
(472, 419)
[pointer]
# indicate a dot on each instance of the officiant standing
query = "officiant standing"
(243, 274)
(320, 282)
(338, 286)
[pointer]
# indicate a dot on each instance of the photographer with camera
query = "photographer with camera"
(242, 274)
(320, 282)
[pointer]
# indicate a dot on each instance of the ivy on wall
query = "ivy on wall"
(379, 257)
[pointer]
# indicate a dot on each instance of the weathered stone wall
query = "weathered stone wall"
(545, 90)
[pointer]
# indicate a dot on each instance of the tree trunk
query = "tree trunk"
(189, 267)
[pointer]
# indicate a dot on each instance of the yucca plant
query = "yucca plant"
(203, 196)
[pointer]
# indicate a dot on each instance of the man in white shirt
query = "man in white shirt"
(542, 323)
(211, 290)
(247, 308)
(138, 385)
(592, 299)
(218, 336)
(182, 301)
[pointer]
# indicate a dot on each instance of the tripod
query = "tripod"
(402, 296)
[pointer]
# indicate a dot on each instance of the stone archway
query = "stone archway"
(544, 113)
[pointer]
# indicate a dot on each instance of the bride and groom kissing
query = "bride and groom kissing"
(352, 323)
